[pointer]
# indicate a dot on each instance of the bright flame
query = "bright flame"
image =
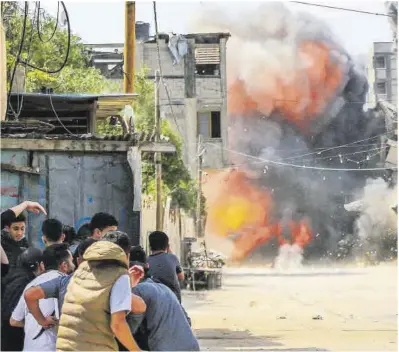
(298, 99)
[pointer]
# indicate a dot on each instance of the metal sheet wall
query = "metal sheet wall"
(73, 187)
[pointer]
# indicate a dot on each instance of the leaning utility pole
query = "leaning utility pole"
(200, 152)
(157, 156)
(130, 46)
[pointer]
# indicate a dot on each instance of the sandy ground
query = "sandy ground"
(261, 309)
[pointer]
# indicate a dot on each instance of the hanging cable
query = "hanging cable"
(160, 66)
(342, 9)
(278, 163)
(38, 23)
(18, 58)
(67, 52)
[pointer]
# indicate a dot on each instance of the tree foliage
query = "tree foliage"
(49, 54)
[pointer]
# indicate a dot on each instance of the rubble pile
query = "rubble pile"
(208, 259)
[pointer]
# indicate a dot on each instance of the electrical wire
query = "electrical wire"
(160, 66)
(67, 52)
(342, 9)
(38, 24)
(332, 148)
(19, 107)
(56, 115)
(278, 163)
(18, 58)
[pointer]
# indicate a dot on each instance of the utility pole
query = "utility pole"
(200, 152)
(129, 52)
(157, 156)
(3, 71)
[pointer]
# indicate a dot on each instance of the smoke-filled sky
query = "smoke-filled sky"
(105, 23)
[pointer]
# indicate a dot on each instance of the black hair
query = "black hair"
(101, 221)
(30, 259)
(84, 245)
(54, 255)
(138, 256)
(159, 241)
(70, 234)
(20, 218)
(84, 232)
(81, 249)
(52, 229)
(120, 238)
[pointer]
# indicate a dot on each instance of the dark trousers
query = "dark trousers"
(12, 339)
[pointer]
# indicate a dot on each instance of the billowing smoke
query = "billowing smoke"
(376, 226)
(295, 101)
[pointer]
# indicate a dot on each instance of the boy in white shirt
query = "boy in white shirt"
(57, 260)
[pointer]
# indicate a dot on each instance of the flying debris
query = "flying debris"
(299, 97)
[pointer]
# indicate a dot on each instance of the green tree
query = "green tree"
(49, 53)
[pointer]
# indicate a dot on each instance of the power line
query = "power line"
(300, 166)
(18, 58)
(160, 66)
(56, 115)
(343, 9)
(38, 23)
(67, 51)
(331, 148)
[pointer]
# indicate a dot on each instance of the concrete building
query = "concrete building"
(193, 96)
(382, 74)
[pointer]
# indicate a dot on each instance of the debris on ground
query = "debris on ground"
(282, 317)
(317, 317)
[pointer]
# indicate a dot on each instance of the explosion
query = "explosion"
(295, 104)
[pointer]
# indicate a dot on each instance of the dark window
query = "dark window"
(215, 123)
(380, 62)
(207, 69)
(381, 88)
(209, 124)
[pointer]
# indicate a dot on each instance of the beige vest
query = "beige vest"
(85, 320)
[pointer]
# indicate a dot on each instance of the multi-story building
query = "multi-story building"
(382, 74)
(193, 93)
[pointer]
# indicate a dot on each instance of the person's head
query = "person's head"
(84, 232)
(82, 249)
(32, 260)
(102, 223)
(58, 257)
(138, 256)
(69, 234)
(159, 241)
(52, 232)
(16, 227)
(120, 238)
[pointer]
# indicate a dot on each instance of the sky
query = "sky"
(103, 22)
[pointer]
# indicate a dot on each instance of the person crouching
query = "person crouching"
(91, 316)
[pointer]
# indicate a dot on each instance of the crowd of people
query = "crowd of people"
(89, 290)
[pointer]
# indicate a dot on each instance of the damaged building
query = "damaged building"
(193, 96)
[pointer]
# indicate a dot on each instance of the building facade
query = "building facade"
(193, 92)
(382, 74)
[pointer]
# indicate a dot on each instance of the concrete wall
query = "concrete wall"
(211, 96)
(72, 186)
(387, 74)
(176, 225)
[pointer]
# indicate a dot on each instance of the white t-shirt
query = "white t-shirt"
(47, 340)
(121, 295)
(120, 300)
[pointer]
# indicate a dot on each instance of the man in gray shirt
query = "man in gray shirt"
(163, 265)
(165, 326)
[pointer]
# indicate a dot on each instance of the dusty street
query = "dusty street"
(337, 309)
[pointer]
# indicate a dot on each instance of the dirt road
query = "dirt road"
(338, 309)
